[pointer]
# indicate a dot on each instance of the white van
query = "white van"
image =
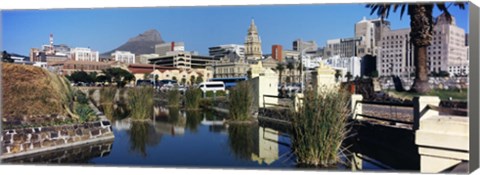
(212, 86)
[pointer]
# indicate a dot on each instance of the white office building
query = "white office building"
(348, 64)
(124, 57)
(83, 54)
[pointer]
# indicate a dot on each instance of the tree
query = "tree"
(349, 76)
(80, 76)
(199, 79)
(93, 77)
(192, 79)
(6, 57)
(421, 23)
(290, 67)
(184, 80)
(443, 73)
(374, 74)
(338, 74)
(280, 70)
(145, 76)
(120, 76)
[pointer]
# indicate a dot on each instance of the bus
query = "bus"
(229, 82)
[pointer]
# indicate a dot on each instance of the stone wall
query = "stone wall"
(37, 139)
(78, 154)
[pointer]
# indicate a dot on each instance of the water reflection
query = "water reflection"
(194, 118)
(142, 134)
(241, 140)
(254, 143)
(79, 155)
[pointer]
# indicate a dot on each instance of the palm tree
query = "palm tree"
(290, 67)
(280, 69)
(421, 24)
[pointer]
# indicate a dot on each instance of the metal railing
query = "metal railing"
(393, 111)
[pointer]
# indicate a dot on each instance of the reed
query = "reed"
(192, 98)
(319, 127)
(241, 102)
(140, 100)
(173, 97)
(107, 100)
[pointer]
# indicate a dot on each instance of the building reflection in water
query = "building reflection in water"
(254, 143)
(266, 146)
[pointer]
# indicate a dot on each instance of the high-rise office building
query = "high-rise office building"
(277, 52)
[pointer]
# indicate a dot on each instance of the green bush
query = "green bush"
(319, 127)
(85, 112)
(173, 97)
(140, 100)
(81, 97)
(218, 94)
(192, 98)
(241, 102)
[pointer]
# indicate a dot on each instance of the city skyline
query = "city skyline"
(105, 29)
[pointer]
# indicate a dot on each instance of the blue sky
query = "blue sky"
(198, 27)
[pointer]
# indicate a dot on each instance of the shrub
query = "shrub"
(85, 112)
(81, 97)
(173, 97)
(192, 98)
(140, 100)
(218, 94)
(241, 102)
(319, 127)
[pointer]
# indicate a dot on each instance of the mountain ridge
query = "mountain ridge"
(143, 43)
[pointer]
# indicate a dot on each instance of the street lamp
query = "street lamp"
(302, 74)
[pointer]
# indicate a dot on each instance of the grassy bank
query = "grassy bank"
(140, 100)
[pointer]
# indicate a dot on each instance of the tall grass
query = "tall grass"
(319, 127)
(107, 100)
(173, 97)
(192, 98)
(241, 102)
(141, 102)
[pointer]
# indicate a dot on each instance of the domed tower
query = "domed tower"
(253, 44)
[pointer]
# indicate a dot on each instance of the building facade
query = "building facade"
(348, 64)
(143, 58)
(83, 54)
(253, 43)
(123, 56)
(182, 59)
(307, 46)
(277, 51)
(71, 66)
(162, 49)
(343, 47)
(447, 51)
(222, 51)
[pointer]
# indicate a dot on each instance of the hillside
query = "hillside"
(29, 90)
(142, 44)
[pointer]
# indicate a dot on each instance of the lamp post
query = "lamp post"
(302, 74)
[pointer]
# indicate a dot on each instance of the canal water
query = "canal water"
(195, 139)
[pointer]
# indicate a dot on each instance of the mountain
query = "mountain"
(142, 44)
